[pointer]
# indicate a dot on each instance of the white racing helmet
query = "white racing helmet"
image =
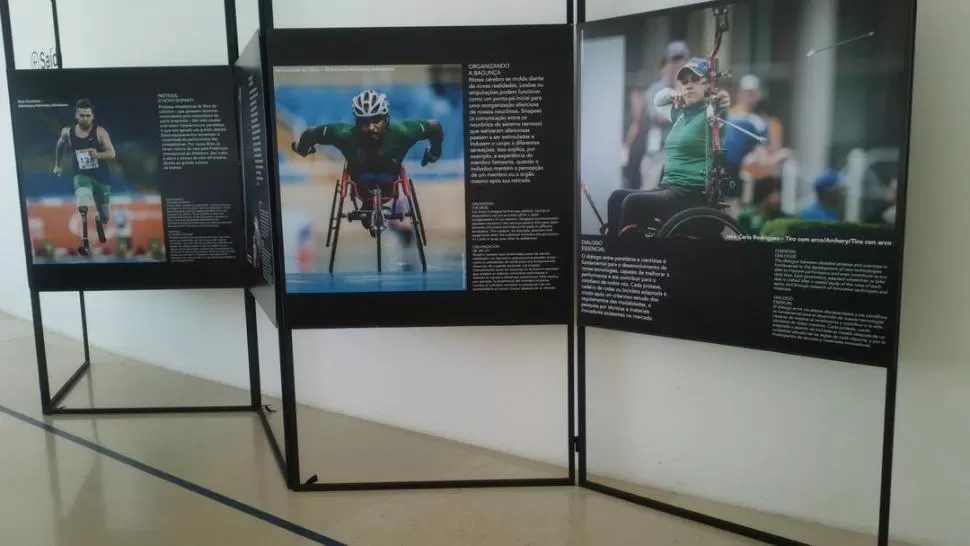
(371, 104)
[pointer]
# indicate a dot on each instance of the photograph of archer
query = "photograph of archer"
(371, 163)
(89, 177)
(766, 120)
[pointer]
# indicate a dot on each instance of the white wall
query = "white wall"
(180, 32)
(13, 271)
(932, 483)
(604, 9)
(247, 20)
(33, 31)
(776, 432)
(788, 435)
(501, 387)
(403, 13)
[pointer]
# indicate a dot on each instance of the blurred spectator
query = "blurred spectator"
(304, 250)
(767, 108)
(634, 142)
(829, 191)
(743, 151)
(887, 215)
(766, 206)
(648, 126)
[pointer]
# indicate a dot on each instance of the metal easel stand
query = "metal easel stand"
(288, 456)
(725, 525)
(54, 404)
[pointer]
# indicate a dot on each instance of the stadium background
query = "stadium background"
(52, 215)
(307, 97)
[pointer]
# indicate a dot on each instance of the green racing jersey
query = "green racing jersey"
(367, 161)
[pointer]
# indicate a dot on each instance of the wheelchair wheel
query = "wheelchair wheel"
(701, 223)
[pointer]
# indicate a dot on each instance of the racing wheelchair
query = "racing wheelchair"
(375, 205)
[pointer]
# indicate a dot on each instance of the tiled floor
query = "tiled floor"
(57, 491)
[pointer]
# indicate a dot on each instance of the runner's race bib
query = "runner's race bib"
(85, 160)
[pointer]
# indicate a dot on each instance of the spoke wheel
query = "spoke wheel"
(701, 223)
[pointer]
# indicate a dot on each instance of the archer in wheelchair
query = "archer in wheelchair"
(688, 201)
(375, 183)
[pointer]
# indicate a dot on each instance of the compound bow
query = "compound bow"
(717, 175)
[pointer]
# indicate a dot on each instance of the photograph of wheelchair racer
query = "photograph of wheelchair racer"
(687, 156)
(374, 148)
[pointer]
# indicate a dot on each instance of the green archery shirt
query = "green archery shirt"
(688, 149)
(386, 158)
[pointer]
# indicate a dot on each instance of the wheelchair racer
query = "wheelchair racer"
(687, 154)
(374, 148)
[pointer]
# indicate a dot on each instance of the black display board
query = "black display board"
(483, 235)
(259, 190)
(168, 199)
(777, 224)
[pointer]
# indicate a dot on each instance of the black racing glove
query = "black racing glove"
(306, 145)
(430, 157)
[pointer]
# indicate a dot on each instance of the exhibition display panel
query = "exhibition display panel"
(454, 208)
(258, 187)
(128, 180)
(776, 226)
(129, 177)
(753, 192)
(408, 177)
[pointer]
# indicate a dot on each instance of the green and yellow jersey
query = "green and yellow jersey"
(367, 161)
